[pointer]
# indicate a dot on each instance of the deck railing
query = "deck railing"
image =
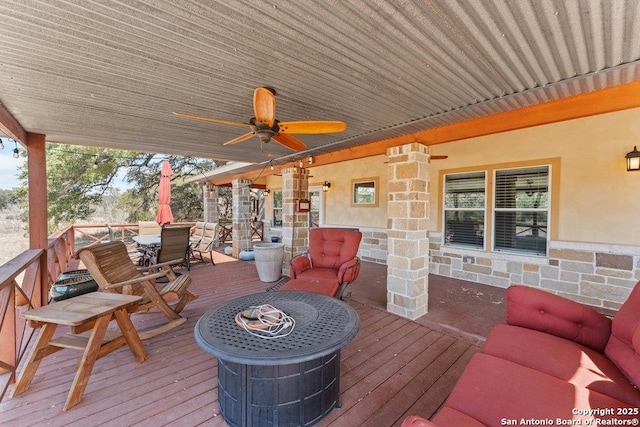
(24, 285)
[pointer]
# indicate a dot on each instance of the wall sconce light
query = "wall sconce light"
(310, 160)
(266, 192)
(1, 144)
(633, 160)
(16, 152)
(326, 186)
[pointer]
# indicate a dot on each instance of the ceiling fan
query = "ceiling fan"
(265, 126)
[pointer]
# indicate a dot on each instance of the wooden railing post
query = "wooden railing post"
(38, 232)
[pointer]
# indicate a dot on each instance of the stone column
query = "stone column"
(408, 242)
(295, 225)
(241, 216)
(211, 194)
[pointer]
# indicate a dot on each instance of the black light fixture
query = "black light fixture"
(1, 144)
(326, 186)
(633, 160)
(16, 152)
(266, 192)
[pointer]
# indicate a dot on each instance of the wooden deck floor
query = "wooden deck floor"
(392, 368)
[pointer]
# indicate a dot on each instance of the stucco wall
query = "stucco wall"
(337, 201)
(598, 200)
(594, 251)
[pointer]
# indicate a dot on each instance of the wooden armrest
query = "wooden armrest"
(160, 265)
(144, 278)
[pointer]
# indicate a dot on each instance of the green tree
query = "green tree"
(7, 198)
(186, 198)
(79, 178)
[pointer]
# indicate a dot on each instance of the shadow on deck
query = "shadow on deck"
(394, 366)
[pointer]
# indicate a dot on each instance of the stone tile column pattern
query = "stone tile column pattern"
(211, 194)
(408, 242)
(241, 215)
(295, 225)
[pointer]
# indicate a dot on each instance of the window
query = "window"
(464, 209)
(519, 215)
(314, 212)
(277, 208)
(521, 210)
(365, 192)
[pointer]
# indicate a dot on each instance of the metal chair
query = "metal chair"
(174, 244)
(208, 241)
(197, 233)
(148, 227)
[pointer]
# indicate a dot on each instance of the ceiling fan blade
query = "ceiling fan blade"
(311, 127)
(264, 106)
(439, 157)
(209, 119)
(240, 138)
(289, 141)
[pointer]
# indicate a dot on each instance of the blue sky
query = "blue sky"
(9, 167)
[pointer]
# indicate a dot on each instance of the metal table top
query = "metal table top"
(323, 326)
(147, 239)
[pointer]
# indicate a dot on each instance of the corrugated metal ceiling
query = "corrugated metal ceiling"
(110, 73)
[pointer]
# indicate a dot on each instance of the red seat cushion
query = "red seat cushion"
(492, 390)
(561, 358)
(332, 247)
(320, 286)
(319, 274)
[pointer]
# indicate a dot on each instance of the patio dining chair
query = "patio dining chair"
(197, 233)
(148, 227)
(208, 241)
(174, 244)
(111, 268)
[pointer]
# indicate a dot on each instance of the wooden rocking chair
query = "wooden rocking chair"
(112, 269)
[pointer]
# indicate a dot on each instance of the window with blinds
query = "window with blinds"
(521, 210)
(464, 209)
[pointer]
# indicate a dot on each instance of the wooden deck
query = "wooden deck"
(394, 367)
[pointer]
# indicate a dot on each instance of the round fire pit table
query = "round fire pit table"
(292, 380)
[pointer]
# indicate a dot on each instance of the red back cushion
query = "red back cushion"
(623, 347)
(332, 247)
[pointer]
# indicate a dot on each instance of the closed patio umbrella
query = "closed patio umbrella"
(164, 195)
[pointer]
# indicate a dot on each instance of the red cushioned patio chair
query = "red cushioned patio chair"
(330, 265)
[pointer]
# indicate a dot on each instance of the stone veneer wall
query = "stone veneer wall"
(295, 225)
(241, 216)
(373, 247)
(210, 197)
(600, 275)
(408, 242)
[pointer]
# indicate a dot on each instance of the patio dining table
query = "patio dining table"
(147, 239)
(149, 244)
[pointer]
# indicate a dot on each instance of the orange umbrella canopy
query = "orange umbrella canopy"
(165, 216)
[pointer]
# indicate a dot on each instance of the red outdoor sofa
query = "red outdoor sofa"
(555, 362)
